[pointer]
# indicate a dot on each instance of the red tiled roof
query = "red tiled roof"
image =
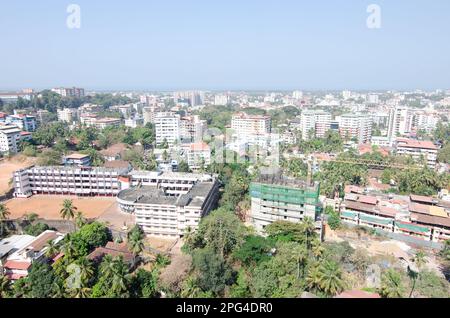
(430, 220)
(411, 143)
(419, 208)
(201, 146)
(12, 276)
(17, 265)
(367, 199)
(421, 198)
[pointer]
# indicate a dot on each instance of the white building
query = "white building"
(297, 95)
(69, 92)
(400, 122)
(380, 141)
(426, 121)
(24, 122)
(418, 150)
(192, 128)
(167, 128)
(81, 181)
(134, 122)
(168, 204)
(221, 100)
(358, 126)
(244, 124)
(315, 123)
(68, 115)
(198, 155)
(10, 138)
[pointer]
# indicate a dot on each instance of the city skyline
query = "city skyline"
(226, 46)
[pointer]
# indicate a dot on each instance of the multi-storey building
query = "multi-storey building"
(167, 205)
(418, 150)
(77, 159)
(244, 124)
(9, 139)
(314, 124)
(221, 100)
(167, 128)
(400, 122)
(103, 123)
(69, 92)
(358, 126)
(192, 128)
(67, 115)
(282, 199)
(81, 181)
(198, 155)
(425, 121)
(24, 122)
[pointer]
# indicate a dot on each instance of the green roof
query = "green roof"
(349, 214)
(376, 220)
(412, 227)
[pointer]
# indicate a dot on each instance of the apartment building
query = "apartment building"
(24, 122)
(221, 100)
(167, 128)
(67, 115)
(314, 123)
(244, 125)
(277, 198)
(169, 209)
(81, 181)
(10, 137)
(426, 121)
(198, 155)
(69, 92)
(192, 129)
(103, 123)
(400, 122)
(418, 150)
(356, 126)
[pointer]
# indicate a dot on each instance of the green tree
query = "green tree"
(4, 215)
(391, 285)
(254, 250)
(136, 240)
(41, 280)
(213, 272)
(5, 286)
(68, 210)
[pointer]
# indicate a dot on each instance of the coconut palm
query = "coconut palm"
(4, 215)
(81, 292)
(190, 288)
(68, 210)
(86, 270)
(120, 276)
(420, 260)
(391, 285)
(5, 286)
(69, 248)
(136, 240)
(309, 228)
(317, 249)
(301, 257)
(80, 220)
(313, 277)
(107, 266)
(58, 289)
(52, 249)
(330, 278)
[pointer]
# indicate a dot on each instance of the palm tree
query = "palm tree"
(317, 249)
(4, 215)
(391, 285)
(107, 266)
(420, 261)
(52, 249)
(136, 240)
(81, 292)
(309, 231)
(301, 257)
(120, 277)
(313, 278)
(190, 288)
(68, 210)
(80, 219)
(69, 248)
(58, 289)
(86, 270)
(330, 278)
(5, 286)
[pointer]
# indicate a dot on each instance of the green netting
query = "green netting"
(411, 227)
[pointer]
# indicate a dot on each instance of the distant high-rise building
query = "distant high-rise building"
(69, 92)
(314, 124)
(373, 99)
(400, 122)
(167, 128)
(244, 124)
(68, 115)
(194, 98)
(358, 126)
(297, 95)
(221, 100)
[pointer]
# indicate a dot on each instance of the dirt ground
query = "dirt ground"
(48, 207)
(8, 166)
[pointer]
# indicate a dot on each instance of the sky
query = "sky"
(225, 45)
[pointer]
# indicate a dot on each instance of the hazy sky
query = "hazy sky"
(218, 44)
